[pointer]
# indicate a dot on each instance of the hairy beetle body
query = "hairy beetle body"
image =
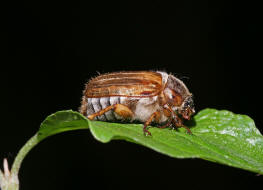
(142, 96)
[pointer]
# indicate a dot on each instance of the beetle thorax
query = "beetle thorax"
(175, 93)
(178, 97)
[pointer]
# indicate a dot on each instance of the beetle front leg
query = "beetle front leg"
(166, 125)
(179, 123)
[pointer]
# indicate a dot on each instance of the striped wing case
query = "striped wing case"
(130, 84)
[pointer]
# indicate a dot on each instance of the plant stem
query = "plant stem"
(31, 143)
(9, 180)
(1, 178)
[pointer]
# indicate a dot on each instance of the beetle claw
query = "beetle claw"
(146, 132)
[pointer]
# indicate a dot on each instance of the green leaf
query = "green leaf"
(218, 136)
(62, 121)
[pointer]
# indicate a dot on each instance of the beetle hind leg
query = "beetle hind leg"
(120, 109)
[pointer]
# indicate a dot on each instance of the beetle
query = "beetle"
(143, 96)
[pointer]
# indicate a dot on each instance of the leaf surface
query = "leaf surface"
(218, 136)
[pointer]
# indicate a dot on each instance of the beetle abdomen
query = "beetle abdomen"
(97, 104)
(142, 108)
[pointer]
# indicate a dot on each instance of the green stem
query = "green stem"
(1, 178)
(9, 180)
(31, 143)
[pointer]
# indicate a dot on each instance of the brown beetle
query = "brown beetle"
(143, 96)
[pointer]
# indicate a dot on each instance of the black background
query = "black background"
(50, 49)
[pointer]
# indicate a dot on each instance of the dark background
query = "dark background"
(50, 49)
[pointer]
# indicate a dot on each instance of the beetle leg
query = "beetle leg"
(156, 116)
(168, 112)
(178, 123)
(175, 119)
(166, 125)
(120, 109)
